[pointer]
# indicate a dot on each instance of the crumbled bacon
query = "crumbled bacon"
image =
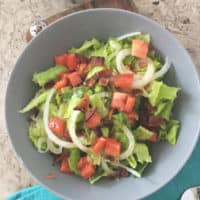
(83, 105)
(89, 113)
(92, 81)
(96, 61)
(104, 81)
(143, 62)
(155, 121)
(122, 172)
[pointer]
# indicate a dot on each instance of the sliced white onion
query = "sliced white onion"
(40, 141)
(52, 148)
(140, 82)
(132, 171)
(131, 145)
(128, 35)
(72, 132)
(50, 134)
(163, 70)
(106, 167)
(101, 95)
(119, 61)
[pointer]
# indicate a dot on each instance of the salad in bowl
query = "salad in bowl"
(102, 106)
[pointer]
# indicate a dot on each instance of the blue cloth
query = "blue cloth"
(189, 176)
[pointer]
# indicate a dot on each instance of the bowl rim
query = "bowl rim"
(149, 20)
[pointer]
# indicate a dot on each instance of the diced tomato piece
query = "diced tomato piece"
(87, 171)
(64, 168)
(93, 121)
(64, 76)
(132, 117)
(60, 59)
(140, 48)
(130, 102)
(118, 100)
(74, 79)
(84, 103)
(124, 81)
(57, 126)
(60, 84)
(112, 147)
(99, 145)
(153, 138)
(71, 61)
(82, 163)
(82, 69)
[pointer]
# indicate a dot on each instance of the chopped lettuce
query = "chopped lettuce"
(73, 159)
(132, 161)
(99, 103)
(121, 137)
(164, 109)
(169, 131)
(162, 97)
(105, 131)
(71, 105)
(142, 153)
(142, 134)
(120, 118)
(94, 71)
(89, 136)
(50, 74)
(37, 100)
(97, 176)
(94, 158)
(161, 92)
(111, 49)
(87, 47)
(36, 131)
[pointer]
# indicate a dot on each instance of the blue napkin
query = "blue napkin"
(189, 176)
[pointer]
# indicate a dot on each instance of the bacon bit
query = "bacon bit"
(83, 105)
(81, 59)
(89, 113)
(105, 73)
(150, 108)
(104, 81)
(155, 121)
(50, 176)
(91, 82)
(143, 62)
(96, 61)
(83, 69)
(121, 172)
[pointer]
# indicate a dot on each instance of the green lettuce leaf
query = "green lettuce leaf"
(50, 74)
(99, 173)
(99, 103)
(94, 158)
(169, 132)
(87, 47)
(142, 153)
(121, 137)
(73, 159)
(164, 109)
(105, 131)
(161, 92)
(36, 131)
(93, 71)
(132, 161)
(142, 134)
(89, 136)
(37, 100)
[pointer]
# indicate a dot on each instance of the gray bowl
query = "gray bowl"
(72, 31)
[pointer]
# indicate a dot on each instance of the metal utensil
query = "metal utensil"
(191, 194)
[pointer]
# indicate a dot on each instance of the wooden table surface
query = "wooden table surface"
(181, 17)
